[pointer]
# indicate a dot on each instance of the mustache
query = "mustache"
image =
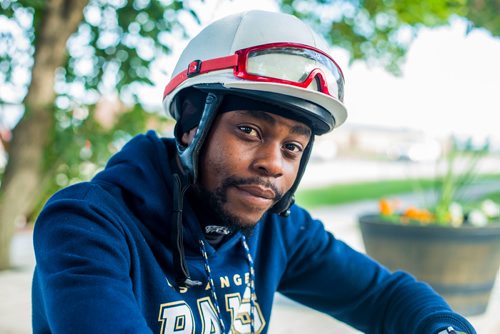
(256, 181)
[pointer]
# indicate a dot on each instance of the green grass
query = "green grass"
(346, 193)
(494, 197)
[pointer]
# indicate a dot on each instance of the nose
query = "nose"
(268, 160)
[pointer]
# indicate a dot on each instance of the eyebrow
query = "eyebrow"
(259, 115)
(301, 130)
(296, 129)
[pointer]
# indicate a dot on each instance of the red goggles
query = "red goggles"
(284, 63)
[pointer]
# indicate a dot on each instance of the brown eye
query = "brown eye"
(293, 148)
(248, 130)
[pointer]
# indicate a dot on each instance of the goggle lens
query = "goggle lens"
(296, 65)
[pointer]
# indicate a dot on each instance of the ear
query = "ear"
(187, 137)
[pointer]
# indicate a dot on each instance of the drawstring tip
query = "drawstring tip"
(189, 283)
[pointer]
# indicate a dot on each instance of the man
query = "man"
(196, 234)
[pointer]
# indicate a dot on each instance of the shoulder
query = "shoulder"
(299, 225)
(299, 220)
(82, 205)
(149, 142)
(83, 194)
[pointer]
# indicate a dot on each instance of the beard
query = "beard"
(214, 203)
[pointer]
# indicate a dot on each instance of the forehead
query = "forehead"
(295, 127)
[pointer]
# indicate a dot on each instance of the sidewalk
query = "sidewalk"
(15, 287)
(288, 317)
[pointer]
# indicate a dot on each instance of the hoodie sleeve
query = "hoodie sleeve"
(326, 274)
(82, 271)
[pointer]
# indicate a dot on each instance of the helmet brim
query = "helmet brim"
(323, 111)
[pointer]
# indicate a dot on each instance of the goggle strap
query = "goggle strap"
(199, 67)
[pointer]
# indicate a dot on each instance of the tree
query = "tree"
(29, 138)
(80, 50)
(74, 45)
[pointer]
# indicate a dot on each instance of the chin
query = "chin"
(247, 217)
(249, 222)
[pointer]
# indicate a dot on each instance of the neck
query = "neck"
(214, 228)
(206, 216)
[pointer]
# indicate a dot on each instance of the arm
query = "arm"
(328, 275)
(81, 278)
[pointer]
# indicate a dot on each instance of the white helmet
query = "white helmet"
(266, 55)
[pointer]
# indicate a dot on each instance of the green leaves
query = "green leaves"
(484, 14)
(381, 31)
(461, 171)
(116, 45)
(122, 42)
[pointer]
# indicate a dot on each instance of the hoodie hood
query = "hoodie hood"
(146, 180)
(142, 173)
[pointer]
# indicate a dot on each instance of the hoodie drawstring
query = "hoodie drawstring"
(212, 285)
(250, 285)
(182, 277)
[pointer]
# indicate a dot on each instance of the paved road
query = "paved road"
(349, 170)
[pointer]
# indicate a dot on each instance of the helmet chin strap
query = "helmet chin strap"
(189, 155)
(282, 207)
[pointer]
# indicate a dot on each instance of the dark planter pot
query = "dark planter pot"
(459, 263)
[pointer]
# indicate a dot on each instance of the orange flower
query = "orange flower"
(388, 207)
(421, 215)
(385, 207)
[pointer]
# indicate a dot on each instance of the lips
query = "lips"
(258, 191)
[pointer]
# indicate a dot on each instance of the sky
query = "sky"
(450, 82)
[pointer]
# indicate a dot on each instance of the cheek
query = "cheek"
(219, 162)
(290, 174)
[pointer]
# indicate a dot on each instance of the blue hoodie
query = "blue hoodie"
(105, 264)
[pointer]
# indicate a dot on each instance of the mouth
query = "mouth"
(257, 195)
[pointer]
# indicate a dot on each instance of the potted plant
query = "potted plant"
(453, 242)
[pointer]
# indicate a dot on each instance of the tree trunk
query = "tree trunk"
(24, 170)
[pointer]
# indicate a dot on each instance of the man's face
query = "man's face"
(249, 161)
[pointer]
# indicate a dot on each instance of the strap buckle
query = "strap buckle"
(194, 68)
(450, 330)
